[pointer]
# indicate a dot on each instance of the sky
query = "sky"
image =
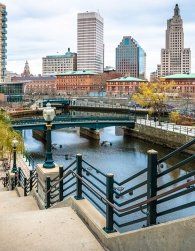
(40, 28)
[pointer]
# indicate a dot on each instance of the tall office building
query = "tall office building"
(130, 58)
(175, 58)
(3, 43)
(90, 48)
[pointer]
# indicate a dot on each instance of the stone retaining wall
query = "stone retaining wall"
(159, 136)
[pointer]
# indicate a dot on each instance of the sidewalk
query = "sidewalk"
(187, 130)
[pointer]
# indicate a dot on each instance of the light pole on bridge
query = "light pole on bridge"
(48, 115)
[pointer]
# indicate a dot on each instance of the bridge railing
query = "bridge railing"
(73, 118)
(137, 201)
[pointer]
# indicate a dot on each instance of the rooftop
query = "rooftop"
(76, 73)
(181, 76)
(127, 79)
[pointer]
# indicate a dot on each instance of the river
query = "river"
(124, 157)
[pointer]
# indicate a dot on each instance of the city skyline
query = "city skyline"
(39, 29)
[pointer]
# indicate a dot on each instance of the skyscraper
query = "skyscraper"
(175, 58)
(130, 58)
(3, 44)
(90, 42)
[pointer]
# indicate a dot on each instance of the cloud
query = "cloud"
(40, 28)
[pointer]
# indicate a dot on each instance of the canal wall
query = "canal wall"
(159, 136)
(90, 133)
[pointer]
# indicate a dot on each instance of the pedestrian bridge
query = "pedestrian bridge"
(92, 122)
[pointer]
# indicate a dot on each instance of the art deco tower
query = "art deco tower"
(3, 39)
(175, 58)
(90, 42)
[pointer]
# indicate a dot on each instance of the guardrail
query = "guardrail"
(188, 130)
(123, 203)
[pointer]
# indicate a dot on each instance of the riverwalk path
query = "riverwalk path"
(172, 127)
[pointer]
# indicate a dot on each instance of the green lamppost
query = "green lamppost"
(48, 115)
(135, 106)
(14, 145)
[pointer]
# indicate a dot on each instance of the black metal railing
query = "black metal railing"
(29, 159)
(27, 183)
(139, 200)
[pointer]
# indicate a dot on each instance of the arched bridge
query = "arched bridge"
(92, 122)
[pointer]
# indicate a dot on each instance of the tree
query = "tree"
(175, 117)
(153, 96)
(7, 134)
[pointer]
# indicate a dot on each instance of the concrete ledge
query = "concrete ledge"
(176, 235)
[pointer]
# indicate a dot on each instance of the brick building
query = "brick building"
(123, 86)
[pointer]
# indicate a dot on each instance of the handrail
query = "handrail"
(103, 199)
(178, 150)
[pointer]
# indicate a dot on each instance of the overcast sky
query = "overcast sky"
(47, 27)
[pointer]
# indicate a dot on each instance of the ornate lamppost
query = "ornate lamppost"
(14, 145)
(48, 115)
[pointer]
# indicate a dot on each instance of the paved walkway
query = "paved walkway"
(187, 130)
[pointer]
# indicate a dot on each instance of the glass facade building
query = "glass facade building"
(13, 92)
(3, 42)
(130, 58)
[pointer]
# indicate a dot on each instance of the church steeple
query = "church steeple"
(26, 72)
(176, 10)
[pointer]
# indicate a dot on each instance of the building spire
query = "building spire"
(176, 10)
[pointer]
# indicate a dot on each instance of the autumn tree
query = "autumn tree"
(175, 117)
(153, 96)
(7, 134)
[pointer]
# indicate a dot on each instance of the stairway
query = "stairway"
(24, 227)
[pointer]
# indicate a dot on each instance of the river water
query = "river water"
(124, 157)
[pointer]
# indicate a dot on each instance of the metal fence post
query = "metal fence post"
(61, 172)
(79, 182)
(109, 209)
(48, 192)
(31, 180)
(152, 186)
(25, 188)
(19, 176)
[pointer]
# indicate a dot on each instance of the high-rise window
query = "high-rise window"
(130, 58)
(90, 42)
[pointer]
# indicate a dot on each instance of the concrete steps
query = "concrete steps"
(11, 204)
(24, 227)
(6, 195)
(55, 229)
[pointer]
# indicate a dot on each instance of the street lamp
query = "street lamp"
(48, 115)
(14, 145)
(135, 106)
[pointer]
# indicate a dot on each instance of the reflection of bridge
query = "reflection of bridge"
(92, 122)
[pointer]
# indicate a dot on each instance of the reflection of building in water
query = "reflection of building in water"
(119, 131)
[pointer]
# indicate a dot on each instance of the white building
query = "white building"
(90, 48)
(54, 64)
(175, 58)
